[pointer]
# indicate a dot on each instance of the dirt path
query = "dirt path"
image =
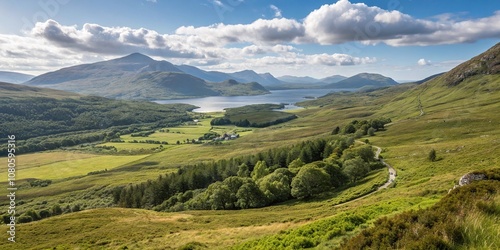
(392, 171)
(392, 177)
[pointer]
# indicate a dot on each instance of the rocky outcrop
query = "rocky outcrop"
(468, 179)
(486, 63)
(471, 177)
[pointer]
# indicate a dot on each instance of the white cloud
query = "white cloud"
(277, 11)
(344, 22)
(259, 32)
(152, 1)
(116, 40)
(262, 43)
(423, 62)
(339, 59)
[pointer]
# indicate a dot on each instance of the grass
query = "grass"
(111, 228)
(76, 167)
(464, 132)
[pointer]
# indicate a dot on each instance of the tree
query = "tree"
(276, 186)
(356, 168)
(336, 130)
(366, 153)
(260, 170)
(249, 195)
(371, 131)
(34, 215)
(432, 155)
(218, 196)
(243, 170)
(349, 129)
(44, 214)
(295, 165)
(310, 180)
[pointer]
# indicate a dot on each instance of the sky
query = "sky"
(402, 39)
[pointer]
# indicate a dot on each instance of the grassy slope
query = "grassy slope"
(463, 131)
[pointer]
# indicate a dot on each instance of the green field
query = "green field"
(72, 167)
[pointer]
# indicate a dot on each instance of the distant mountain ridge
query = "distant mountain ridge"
(14, 77)
(310, 80)
(363, 80)
(137, 76)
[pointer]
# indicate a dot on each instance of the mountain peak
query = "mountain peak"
(364, 79)
(486, 63)
(135, 57)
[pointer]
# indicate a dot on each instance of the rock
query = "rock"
(470, 177)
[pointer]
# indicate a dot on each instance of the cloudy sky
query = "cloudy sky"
(403, 39)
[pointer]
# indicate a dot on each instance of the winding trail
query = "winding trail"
(391, 179)
(392, 171)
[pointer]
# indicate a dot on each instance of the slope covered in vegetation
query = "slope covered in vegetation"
(45, 119)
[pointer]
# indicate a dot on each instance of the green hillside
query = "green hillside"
(44, 119)
(458, 122)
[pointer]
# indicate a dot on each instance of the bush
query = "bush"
(432, 155)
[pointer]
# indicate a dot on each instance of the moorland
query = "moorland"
(140, 175)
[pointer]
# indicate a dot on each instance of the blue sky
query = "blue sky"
(403, 39)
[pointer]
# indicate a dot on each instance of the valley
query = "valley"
(153, 176)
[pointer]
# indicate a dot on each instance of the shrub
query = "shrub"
(432, 155)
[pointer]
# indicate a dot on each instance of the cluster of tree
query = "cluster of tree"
(220, 121)
(39, 183)
(271, 120)
(258, 115)
(274, 121)
(150, 142)
(442, 226)
(35, 118)
(209, 136)
(98, 172)
(142, 133)
(32, 215)
(363, 127)
(280, 174)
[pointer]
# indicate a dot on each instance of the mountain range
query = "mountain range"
(138, 76)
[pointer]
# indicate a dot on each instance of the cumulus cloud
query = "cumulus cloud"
(453, 32)
(423, 62)
(343, 22)
(115, 40)
(262, 42)
(277, 11)
(259, 32)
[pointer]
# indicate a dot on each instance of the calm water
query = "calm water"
(219, 103)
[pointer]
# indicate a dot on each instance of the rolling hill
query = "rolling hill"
(460, 122)
(333, 79)
(137, 76)
(14, 77)
(363, 80)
